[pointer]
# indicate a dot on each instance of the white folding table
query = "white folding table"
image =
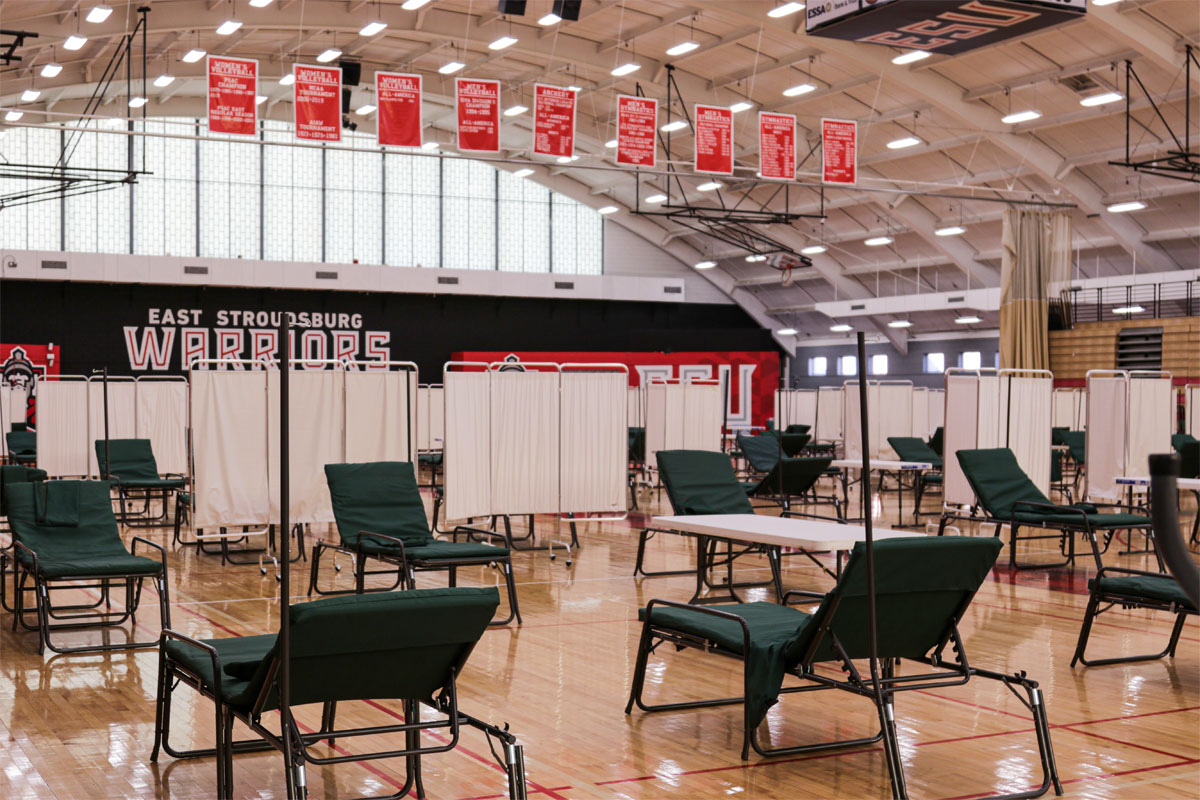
(774, 532)
(1139, 483)
(898, 467)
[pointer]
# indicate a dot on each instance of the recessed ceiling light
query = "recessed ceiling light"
(969, 319)
(841, 327)
(1133, 309)
(430, 146)
(739, 107)
(900, 144)
(260, 99)
(611, 143)
(364, 109)
(708, 187)
(228, 26)
(13, 116)
(451, 67)
(75, 41)
(813, 250)
(137, 102)
(1129, 205)
(911, 56)
(950, 230)
(164, 80)
(705, 264)
(502, 42)
(52, 69)
(1020, 116)
(29, 95)
(99, 13)
(371, 28)
(655, 199)
(785, 9)
(513, 111)
(261, 3)
(899, 323)
(786, 331)
(878, 241)
(413, 5)
(799, 89)
(673, 126)
(550, 19)
(607, 210)
(287, 80)
(521, 173)
(329, 55)
(1101, 99)
(681, 48)
(625, 69)
(193, 55)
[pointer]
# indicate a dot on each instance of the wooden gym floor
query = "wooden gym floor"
(82, 726)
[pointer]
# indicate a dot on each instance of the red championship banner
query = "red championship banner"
(714, 140)
(776, 145)
(398, 100)
(553, 120)
(232, 94)
(317, 100)
(637, 118)
(478, 103)
(839, 151)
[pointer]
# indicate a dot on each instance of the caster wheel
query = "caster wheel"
(568, 563)
(263, 571)
(552, 558)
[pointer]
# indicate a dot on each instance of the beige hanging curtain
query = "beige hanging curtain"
(1035, 265)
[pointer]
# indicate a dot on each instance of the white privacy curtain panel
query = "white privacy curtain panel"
(316, 414)
(795, 407)
(1151, 422)
(960, 432)
(230, 481)
(634, 407)
(702, 416)
(431, 418)
(920, 412)
(525, 438)
(467, 445)
(1107, 409)
(852, 420)
(661, 422)
(892, 403)
(378, 415)
(829, 414)
(1064, 409)
(594, 443)
(991, 414)
(1028, 402)
(62, 425)
(162, 418)
(122, 410)
(937, 410)
(1192, 396)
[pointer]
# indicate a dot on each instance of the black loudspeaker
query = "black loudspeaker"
(351, 72)
(345, 101)
(515, 7)
(567, 9)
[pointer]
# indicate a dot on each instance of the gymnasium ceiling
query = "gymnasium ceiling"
(953, 105)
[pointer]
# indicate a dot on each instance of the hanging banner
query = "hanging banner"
(636, 120)
(232, 95)
(398, 105)
(776, 145)
(553, 121)
(714, 140)
(478, 103)
(839, 151)
(317, 101)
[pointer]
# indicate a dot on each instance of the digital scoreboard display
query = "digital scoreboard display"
(938, 26)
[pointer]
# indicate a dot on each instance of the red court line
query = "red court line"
(1128, 743)
(1105, 776)
(1128, 716)
(1095, 624)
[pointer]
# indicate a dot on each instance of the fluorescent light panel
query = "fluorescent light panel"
(813, 250)
(1129, 205)
(1020, 116)
(502, 42)
(228, 26)
(899, 323)
(413, 5)
(1133, 309)
(261, 3)
(364, 109)
(625, 69)
(29, 95)
(1101, 99)
(13, 116)
(164, 80)
(681, 48)
(99, 13)
(900, 144)
(708, 187)
(193, 55)
(429, 146)
(607, 210)
(521, 173)
(137, 102)
(550, 19)
(878, 241)
(673, 126)
(841, 327)
(260, 99)
(611, 143)
(372, 28)
(785, 9)
(51, 70)
(799, 89)
(287, 80)
(75, 41)
(451, 67)
(705, 264)
(969, 319)
(329, 55)
(786, 331)
(655, 199)
(911, 56)
(950, 230)
(513, 111)
(738, 108)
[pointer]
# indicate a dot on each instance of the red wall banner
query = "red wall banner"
(553, 120)
(777, 145)
(478, 103)
(317, 100)
(755, 374)
(714, 140)
(398, 105)
(637, 118)
(839, 151)
(232, 95)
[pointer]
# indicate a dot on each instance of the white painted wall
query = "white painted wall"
(626, 253)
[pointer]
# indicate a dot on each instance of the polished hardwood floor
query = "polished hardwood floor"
(81, 726)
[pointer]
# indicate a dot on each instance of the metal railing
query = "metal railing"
(1139, 301)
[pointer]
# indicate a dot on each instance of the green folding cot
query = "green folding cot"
(12, 473)
(936, 440)
(129, 465)
(22, 447)
(1008, 497)
(923, 587)
(407, 646)
(780, 480)
(380, 515)
(65, 537)
(914, 448)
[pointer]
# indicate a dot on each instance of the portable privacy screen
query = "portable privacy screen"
(795, 407)
(1068, 409)
(829, 414)
(682, 415)
(890, 406)
(431, 418)
(1134, 415)
(1192, 405)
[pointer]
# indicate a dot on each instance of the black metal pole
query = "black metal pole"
(725, 407)
(285, 669)
(863, 416)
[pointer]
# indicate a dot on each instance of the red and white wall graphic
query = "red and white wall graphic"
(317, 99)
(478, 104)
(637, 119)
(714, 139)
(232, 95)
(398, 103)
(553, 121)
(20, 366)
(753, 375)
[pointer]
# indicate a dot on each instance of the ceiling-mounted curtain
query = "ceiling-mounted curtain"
(1035, 265)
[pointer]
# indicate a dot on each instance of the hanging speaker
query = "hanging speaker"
(351, 72)
(567, 9)
(345, 100)
(515, 7)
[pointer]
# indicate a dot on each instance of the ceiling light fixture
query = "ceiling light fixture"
(451, 67)
(755, 258)
(969, 319)
(194, 55)
(228, 26)
(260, 99)
(1101, 99)
(786, 331)
(372, 28)
(13, 116)
(1020, 116)
(164, 80)
(521, 173)
(261, 3)
(1133, 309)
(655, 199)
(950, 230)
(899, 323)
(813, 249)
(1104, 2)
(513, 111)
(705, 264)
(51, 70)
(708, 187)
(75, 41)
(137, 102)
(364, 109)
(741, 106)
(1129, 205)
(911, 56)
(550, 19)
(785, 9)
(328, 55)
(625, 69)
(502, 42)
(287, 80)
(29, 95)
(878, 241)
(841, 327)
(900, 144)
(567, 159)
(611, 143)
(799, 89)
(681, 48)
(99, 13)
(575, 88)
(606, 210)
(673, 126)
(430, 146)
(413, 5)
